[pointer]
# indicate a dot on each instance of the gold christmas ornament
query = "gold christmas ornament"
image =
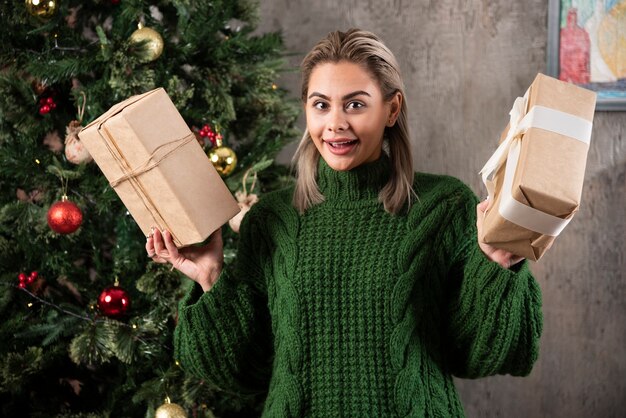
(153, 46)
(170, 410)
(223, 158)
(42, 9)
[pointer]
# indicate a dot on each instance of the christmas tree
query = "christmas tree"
(87, 318)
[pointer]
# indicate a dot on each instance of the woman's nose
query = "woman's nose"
(337, 121)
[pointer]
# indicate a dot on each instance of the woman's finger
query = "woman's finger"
(151, 249)
(514, 260)
(159, 245)
(505, 258)
(169, 244)
(480, 214)
(150, 246)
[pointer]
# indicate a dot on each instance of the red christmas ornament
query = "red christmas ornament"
(64, 217)
(113, 301)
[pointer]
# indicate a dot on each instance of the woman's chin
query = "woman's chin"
(339, 163)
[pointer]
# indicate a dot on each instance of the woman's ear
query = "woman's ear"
(394, 108)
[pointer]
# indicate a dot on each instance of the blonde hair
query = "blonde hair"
(365, 49)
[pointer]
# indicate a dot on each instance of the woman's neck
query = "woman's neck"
(361, 183)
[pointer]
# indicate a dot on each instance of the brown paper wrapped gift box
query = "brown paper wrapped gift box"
(550, 139)
(152, 159)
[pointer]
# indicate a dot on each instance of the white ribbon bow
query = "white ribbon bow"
(538, 117)
(516, 130)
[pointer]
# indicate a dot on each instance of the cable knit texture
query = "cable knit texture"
(348, 311)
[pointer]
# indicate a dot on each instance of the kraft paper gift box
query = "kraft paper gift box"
(160, 172)
(535, 177)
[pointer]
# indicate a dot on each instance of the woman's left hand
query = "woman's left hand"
(504, 258)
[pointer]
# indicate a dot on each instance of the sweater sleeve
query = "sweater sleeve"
(224, 335)
(494, 314)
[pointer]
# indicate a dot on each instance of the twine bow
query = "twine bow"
(147, 165)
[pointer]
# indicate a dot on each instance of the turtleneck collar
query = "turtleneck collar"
(361, 183)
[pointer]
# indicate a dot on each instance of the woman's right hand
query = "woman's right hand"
(201, 264)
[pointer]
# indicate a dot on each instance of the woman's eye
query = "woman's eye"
(354, 105)
(320, 105)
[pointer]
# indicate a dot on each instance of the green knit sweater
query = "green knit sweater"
(348, 311)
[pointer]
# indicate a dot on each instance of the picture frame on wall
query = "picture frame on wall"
(586, 46)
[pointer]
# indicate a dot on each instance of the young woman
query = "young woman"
(362, 290)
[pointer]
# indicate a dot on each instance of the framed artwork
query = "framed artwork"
(587, 46)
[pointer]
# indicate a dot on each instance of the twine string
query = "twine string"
(147, 165)
(244, 181)
(81, 108)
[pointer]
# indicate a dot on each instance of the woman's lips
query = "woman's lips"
(341, 146)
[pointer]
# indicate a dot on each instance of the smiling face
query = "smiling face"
(346, 114)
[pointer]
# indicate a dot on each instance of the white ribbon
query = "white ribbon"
(538, 117)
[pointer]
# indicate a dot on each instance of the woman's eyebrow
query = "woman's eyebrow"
(346, 97)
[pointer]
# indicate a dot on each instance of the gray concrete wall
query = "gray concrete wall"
(464, 62)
